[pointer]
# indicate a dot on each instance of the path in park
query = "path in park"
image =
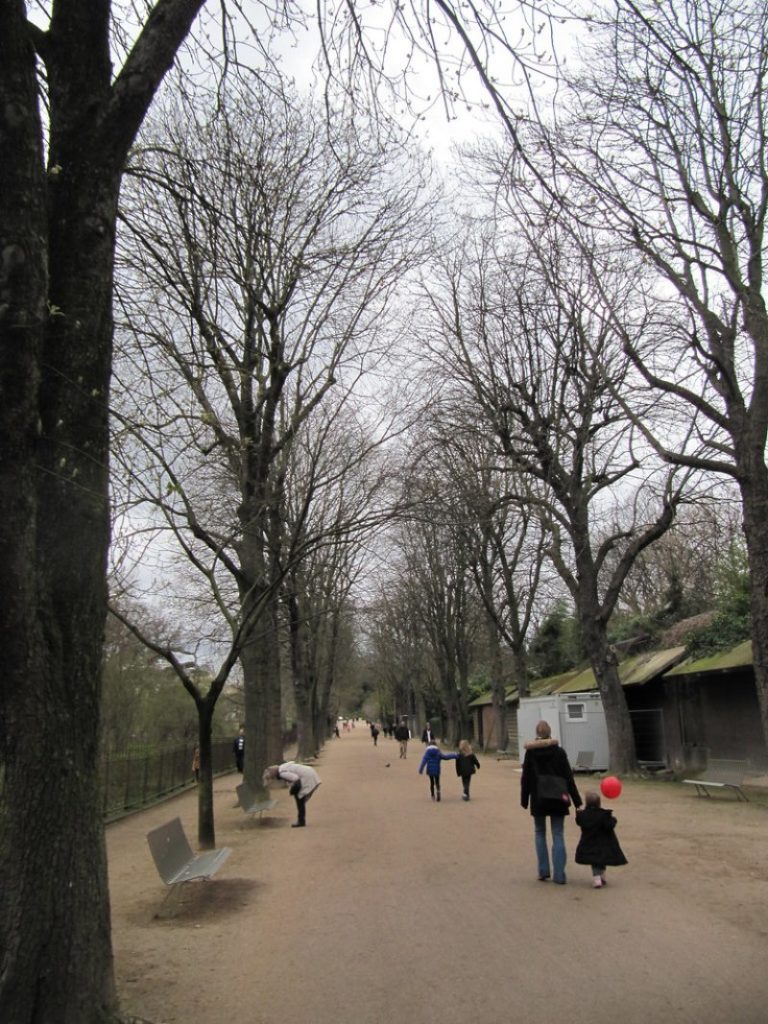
(390, 907)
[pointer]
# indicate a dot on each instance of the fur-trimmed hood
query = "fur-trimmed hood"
(537, 744)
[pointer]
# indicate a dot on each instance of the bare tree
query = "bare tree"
(261, 251)
(399, 654)
(337, 491)
(677, 576)
(668, 141)
(58, 208)
(436, 567)
(526, 340)
(74, 99)
(478, 497)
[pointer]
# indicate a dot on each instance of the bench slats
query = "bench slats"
(173, 856)
(205, 865)
(247, 800)
(721, 774)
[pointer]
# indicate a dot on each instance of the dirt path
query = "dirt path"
(389, 906)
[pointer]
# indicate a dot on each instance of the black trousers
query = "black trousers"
(301, 808)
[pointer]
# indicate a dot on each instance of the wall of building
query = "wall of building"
(713, 716)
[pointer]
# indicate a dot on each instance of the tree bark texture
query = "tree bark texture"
(56, 346)
(260, 660)
(602, 657)
(206, 829)
(754, 492)
(301, 673)
(57, 228)
(500, 730)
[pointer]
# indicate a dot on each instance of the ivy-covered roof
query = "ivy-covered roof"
(739, 656)
(633, 671)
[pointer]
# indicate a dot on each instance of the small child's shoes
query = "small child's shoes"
(597, 882)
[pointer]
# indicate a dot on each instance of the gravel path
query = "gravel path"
(389, 906)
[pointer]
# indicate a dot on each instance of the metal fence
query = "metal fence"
(141, 776)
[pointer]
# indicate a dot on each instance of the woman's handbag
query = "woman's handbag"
(553, 787)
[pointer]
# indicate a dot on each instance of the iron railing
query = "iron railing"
(143, 775)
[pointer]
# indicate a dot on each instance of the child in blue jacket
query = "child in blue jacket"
(433, 756)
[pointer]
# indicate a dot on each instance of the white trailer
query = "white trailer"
(577, 721)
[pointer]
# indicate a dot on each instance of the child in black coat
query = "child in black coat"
(466, 766)
(598, 845)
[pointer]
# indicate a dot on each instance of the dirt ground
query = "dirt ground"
(391, 906)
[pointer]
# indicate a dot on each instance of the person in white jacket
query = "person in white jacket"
(303, 783)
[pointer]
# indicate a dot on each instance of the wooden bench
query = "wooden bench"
(174, 858)
(721, 774)
(250, 803)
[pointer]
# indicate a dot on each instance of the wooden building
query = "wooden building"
(683, 712)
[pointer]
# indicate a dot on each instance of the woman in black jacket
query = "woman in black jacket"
(548, 785)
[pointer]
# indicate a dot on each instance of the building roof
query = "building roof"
(634, 671)
(538, 687)
(739, 656)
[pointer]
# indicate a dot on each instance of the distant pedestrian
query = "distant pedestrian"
(598, 846)
(547, 783)
(466, 766)
(303, 783)
(375, 733)
(402, 735)
(427, 736)
(432, 761)
(196, 763)
(238, 746)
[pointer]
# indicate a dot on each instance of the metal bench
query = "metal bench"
(721, 774)
(174, 858)
(250, 803)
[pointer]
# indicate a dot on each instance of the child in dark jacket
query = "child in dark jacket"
(466, 766)
(598, 845)
(433, 756)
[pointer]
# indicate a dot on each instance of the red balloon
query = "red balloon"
(610, 787)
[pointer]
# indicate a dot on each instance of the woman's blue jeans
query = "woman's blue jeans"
(557, 823)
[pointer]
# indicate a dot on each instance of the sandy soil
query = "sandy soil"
(391, 906)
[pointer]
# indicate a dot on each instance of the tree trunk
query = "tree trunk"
(206, 831)
(521, 671)
(325, 723)
(621, 738)
(274, 690)
(53, 860)
(754, 492)
(301, 680)
(260, 656)
(57, 234)
(56, 955)
(257, 663)
(450, 705)
(498, 694)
